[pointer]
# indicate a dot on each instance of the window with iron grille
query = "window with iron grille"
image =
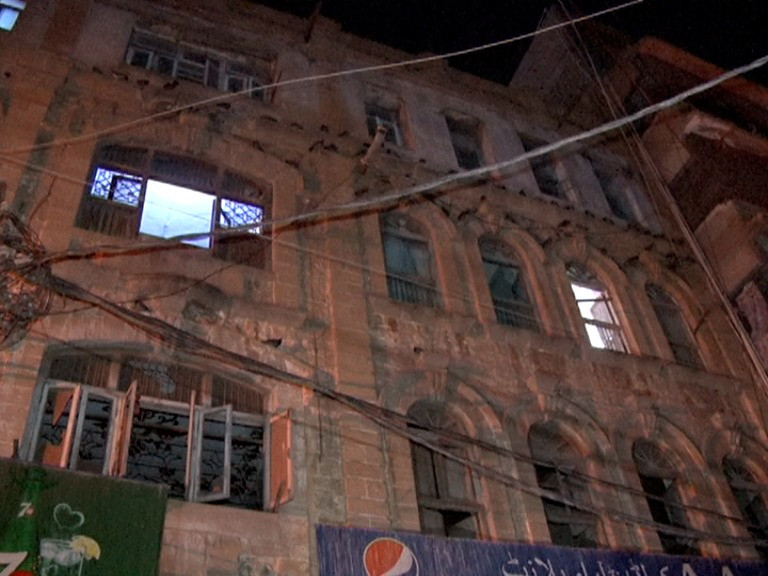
(596, 309)
(751, 499)
(195, 64)
(566, 506)
(444, 491)
(137, 191)
(674, 326)
(203, 435)
(511, 303)
(377, 115)
(658, 478)
(465, 138)
(408, 261)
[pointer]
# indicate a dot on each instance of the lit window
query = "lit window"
(674, 326)
(750, 497)
(202, 435)
(137, 191)
(465, 137)
(408, 261)
(545, 170)
(511, 302)
(596, 310)
(658, 479)
(567, 512)
(9, 13)
(388, 118)
(193, 65)
(443, 485)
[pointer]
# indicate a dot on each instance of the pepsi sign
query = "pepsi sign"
(358, 552)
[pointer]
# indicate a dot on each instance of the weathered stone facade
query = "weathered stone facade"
(321, 311)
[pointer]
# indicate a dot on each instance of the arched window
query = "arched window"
(447, 505)
(408, 261)
(596, 309)
(658, 478)
(137, 191)
(511, 302)
(121, 413)
(674, 326)
(750, 496)
(556, 464)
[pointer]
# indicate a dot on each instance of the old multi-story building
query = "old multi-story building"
(353, 318)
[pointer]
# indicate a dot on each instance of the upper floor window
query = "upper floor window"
(194, 64)
(545, 170)
(751, 499)
(658, 478)
(511, 302)
(569, 519)
(465, 138)
(139, 191)
(596, 309)
(447, 506)
(619, 190)
(9, 13)
(378, 115)
(674, 326)
(408, 261)
(203, 435)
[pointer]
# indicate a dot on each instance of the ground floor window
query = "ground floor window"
(203, 435)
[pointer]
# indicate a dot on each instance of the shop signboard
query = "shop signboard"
(56, 522)
(359, 552)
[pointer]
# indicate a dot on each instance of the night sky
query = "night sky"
(728, 33)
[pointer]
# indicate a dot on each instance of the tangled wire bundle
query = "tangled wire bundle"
(23, 292)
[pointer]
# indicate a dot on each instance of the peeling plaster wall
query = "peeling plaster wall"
(320, 309)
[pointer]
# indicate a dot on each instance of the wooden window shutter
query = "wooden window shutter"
(281, 466)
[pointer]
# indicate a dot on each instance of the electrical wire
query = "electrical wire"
(438, 185)
(169, 335)
(306, 80)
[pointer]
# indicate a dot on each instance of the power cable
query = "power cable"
(169, 335)
(393, 198)
(306, 80)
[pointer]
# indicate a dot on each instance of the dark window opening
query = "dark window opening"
(658, 479)
(465, 138)
(408, 261)
(750, 497)
(195, 65)
(389, 118)
(545, 170)
(511, 303)
(674, 326)
(444, 490)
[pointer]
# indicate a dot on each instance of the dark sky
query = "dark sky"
(726, 32)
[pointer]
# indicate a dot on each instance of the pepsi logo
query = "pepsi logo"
(389, 557)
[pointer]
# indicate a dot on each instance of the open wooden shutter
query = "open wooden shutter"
(190, 450)
(280, 460)
(67, 402)
(212, 440)
(119, 463)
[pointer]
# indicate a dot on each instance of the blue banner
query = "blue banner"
(358, 552)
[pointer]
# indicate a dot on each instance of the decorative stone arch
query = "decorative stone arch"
(649, 270)
(577, 421)
(471, 409)
(524, 251)
(695, 486)
(736, 443)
